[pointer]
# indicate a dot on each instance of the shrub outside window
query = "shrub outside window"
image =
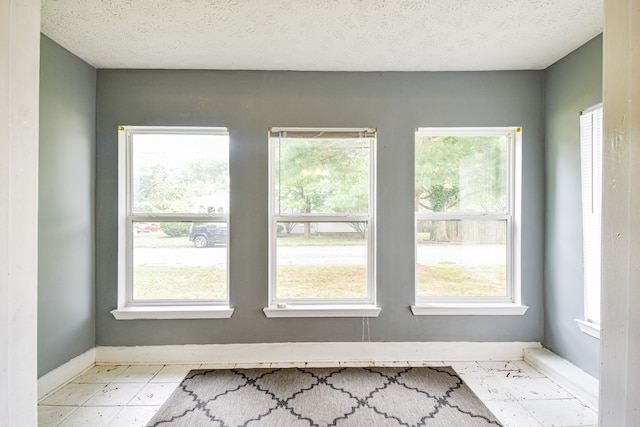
(465, 202)
(322, 222)
(173, 216)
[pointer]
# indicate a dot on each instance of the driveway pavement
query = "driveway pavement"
(322, 255)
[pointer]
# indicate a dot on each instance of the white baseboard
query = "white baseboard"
(332, 352)
(569, 376)
(296, 353)
(58, 377)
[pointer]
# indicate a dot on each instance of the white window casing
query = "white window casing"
(129, 308)
(364, 306)
(511, 302)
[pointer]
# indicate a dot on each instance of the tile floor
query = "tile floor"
(515, 392)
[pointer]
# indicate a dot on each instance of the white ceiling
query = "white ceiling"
(335, 35)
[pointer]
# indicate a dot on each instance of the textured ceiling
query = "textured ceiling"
(337, 35)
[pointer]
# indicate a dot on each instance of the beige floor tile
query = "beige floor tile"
(561, 413)
(115, 394)
(137, 374)
(251, 365)
(533, 388)
(50, 416)
(287, 365)
(73, 394)
(324, 365)
(391, 364)
(511, 413)
(360, 364)
(133, 416)
(100, 374)
(153, 394)
(173, 373)
(95, 416)
(528, 370)
(498, 367)
(488, 388)
(418, 364)
(218, 366)
(468, 369)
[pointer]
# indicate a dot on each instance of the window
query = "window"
(173, 208)
(322, 222)
(591, 170)
(466, 210)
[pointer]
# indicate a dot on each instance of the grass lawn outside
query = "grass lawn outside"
(451, 280)
(206, 283)
(165, 283)
(342, 281)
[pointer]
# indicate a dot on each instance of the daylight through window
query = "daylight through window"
(321, 216)
(591, 157)
(464, 209)
(174, 202)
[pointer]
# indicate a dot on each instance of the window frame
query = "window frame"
(511, 303)
(591, 168)
(322, 307)
(127, 307)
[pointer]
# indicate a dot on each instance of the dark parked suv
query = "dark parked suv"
(204, 234)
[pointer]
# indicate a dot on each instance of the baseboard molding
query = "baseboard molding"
(574, 379)
(296, 353)
(333, 352)
(58, 377)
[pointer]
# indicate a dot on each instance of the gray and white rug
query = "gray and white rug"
(292, 397)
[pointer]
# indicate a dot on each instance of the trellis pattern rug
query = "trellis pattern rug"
(295, 397)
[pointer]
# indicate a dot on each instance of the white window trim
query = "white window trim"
(321, 310)
(335, 307)
(173, 312)
(589, 328)
(468, 309)
(591, 212)
(127, 309)
(489, 306)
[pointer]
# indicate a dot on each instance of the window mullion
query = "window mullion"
(322, 218)
(151, 217)
(453, 216)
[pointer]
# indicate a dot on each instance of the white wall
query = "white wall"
(19, 65)
(619, 380)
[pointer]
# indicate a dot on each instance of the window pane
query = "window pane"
(180, 173)
(461, 173)
(179, 260)
(321, 175)
(591, 168)
(461, 258)
(321, 260)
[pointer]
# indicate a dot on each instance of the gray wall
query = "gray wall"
(249, 103)
(572, 84)
(66, 297)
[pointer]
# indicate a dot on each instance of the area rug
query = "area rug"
(322, 397)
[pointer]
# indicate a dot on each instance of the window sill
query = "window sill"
(468, 309)
(589, 328)
(323, 311)
(174, 312)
